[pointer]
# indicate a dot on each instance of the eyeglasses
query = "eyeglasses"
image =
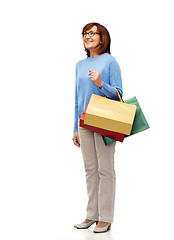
(90, 34)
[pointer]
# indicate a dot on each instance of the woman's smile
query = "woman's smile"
(88, 41)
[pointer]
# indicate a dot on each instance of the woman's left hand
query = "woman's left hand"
(95, 77)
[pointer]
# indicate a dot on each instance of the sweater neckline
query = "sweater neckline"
(96, 58)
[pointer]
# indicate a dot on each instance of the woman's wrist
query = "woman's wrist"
(101, 85)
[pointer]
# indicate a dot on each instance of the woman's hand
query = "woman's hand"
(95, 77)
(76, 139)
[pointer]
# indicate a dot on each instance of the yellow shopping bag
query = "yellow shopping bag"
(110, 114)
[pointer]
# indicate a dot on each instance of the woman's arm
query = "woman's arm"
(115, 81)
(110, 92)
(76, 106)
(75, 137)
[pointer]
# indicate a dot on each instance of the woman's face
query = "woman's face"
(91, 43)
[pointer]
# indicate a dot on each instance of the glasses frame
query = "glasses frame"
(85, 34)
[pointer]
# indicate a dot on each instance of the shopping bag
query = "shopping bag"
(109, 134)
(140, 123)
(110, 115)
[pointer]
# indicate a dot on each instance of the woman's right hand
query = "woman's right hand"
(76, 139)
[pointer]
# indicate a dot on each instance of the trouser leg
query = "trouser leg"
(107, 179)
(87, 146)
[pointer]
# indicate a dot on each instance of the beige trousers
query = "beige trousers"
(100, 175)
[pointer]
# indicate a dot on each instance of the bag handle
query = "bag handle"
(119, 97)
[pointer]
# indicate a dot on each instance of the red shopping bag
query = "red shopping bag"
(113, 135)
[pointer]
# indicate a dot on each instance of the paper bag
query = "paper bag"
(109, 134)
(110, 114)
(140, 123)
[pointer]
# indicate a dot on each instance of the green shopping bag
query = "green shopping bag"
(140, 123)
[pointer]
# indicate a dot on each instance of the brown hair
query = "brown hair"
(104, 47)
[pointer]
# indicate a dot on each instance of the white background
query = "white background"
(42, 178)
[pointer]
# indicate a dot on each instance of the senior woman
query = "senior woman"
(99, 73)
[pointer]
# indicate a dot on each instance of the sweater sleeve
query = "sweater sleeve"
(115, 81)
(76, 105)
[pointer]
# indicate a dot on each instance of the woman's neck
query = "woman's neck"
(94, 54)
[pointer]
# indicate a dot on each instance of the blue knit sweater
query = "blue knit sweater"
(110, 74)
